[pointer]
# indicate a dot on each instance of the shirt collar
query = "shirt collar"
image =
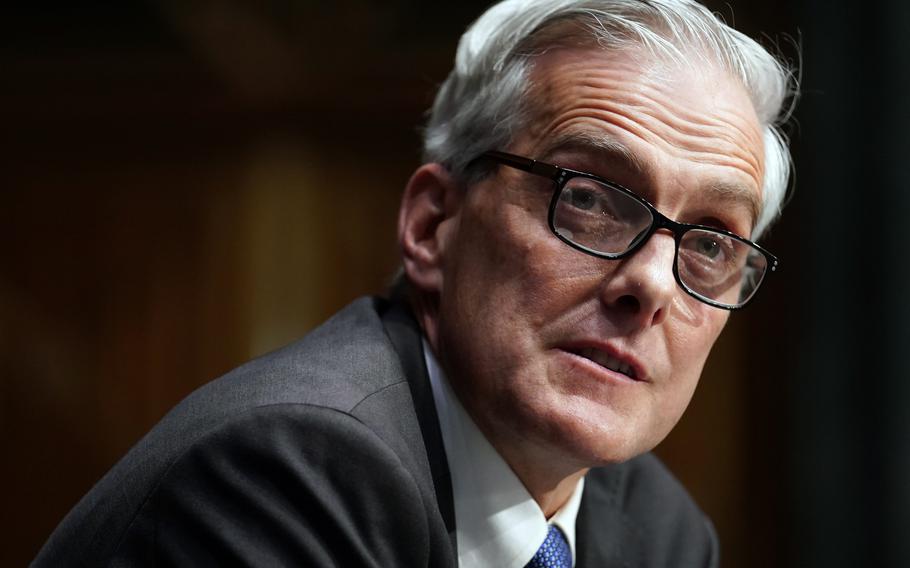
(497, 522)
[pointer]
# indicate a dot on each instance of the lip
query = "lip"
(639, 373)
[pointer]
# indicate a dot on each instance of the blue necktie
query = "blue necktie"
(553, 553)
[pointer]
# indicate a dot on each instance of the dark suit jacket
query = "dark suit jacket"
(328, 453)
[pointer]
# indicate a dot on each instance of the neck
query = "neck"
(425, 309)
(551, 498)
(550, 485)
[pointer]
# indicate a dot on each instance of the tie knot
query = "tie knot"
(553, 553)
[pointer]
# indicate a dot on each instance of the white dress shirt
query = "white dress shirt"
(497, 522)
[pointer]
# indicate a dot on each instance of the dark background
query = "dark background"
(188, 184)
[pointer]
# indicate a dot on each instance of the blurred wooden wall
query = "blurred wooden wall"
(187, 185)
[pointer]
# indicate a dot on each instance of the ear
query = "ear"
(427, 222)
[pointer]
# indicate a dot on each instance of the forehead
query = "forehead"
(692, 124)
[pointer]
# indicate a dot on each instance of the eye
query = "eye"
(580, 198)
(707, 246)
(710, 251)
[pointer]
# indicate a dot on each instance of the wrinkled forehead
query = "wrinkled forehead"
(697, 72)
(689, 101)
(660, 114)
(654, 47)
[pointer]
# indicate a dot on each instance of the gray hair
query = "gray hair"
(481, 104)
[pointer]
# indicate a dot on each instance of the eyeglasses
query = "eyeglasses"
(606, 220)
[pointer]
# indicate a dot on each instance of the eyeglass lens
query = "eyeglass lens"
(606, 220)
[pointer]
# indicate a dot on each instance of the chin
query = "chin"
(608, 449)
(591, 437)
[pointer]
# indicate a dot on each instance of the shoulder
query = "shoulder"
(321, 381)
(300, 436)
(281, 485)
(659, 523)
(339, 365)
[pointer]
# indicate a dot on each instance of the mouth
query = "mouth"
(606, 360)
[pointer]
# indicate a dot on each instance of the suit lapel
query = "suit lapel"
(406, 336)
(604, 536)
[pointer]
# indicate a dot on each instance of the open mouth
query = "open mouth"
(605, 360)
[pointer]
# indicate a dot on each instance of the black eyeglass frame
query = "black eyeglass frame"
(560, 176)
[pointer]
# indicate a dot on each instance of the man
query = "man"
(571, 250)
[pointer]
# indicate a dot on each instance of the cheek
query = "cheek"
(506, 282)
(689, 341)
(693, 327)
(509, 261)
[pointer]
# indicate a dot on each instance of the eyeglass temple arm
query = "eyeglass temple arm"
(524, 164)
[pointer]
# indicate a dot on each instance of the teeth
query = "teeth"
(605, 360)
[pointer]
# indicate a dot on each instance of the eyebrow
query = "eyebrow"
(734, 194)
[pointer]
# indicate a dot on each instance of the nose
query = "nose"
(642, 287)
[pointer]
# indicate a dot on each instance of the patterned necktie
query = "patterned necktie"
(553, 553)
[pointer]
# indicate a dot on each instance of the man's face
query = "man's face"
(528, 328)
